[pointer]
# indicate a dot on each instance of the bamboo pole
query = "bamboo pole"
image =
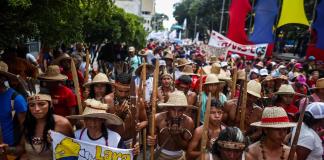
(154, 104)
(143, 80)
(86, 73)
(243, 104)
(298, 128)
(233, 91)
(205, 129)
(76, 86)
(200, 99)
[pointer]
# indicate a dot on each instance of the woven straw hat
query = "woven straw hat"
(168, 56)
(143, 52)
(268, 78)
(4, 71)
(183, 62)
(53, 73)
(213, 59)
(149, 69)
(285, 89)
(214, 68)
(319, 84)
(212, 79)
(274, 117)
(96, 109)
(100, 78)
(187, 70)
(254, 88)
(58, 60)
(241, 74)
(223, 77)
(176, 99)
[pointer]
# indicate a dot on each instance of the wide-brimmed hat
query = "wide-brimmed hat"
(100, 78)
(267, 79)
(260, 64)
(285, 89)
(131, 49)
(53, 73)
(254, 88)
(188, 70)
(213, 59)
(168, 56)
(96, 109)
(319, 84)
(183, 62)
(212, 79)
(58, 60)
(149, 69)
(223, 77)
(176, 99)
(4, 71)
(143, 52)
(274, 117)
(214, 68)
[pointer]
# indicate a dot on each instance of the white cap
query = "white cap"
(162, 63)
(316, 109)
(255, 71)
(223, 64)
(264, 72)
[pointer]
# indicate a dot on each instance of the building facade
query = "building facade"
(141, 8)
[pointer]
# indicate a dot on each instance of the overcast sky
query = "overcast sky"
(166, 7)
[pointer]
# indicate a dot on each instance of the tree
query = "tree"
(157, 21)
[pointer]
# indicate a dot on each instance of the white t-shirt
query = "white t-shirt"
(113, 138)
(149, 87)
(309, 139)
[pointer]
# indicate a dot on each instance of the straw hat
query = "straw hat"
(213, 59)
(39, 97)
(96, 109)
(100, 78)
(176, 99)
(53, 73)
(58, 60)
(4, 71)
(183, 62)
(168, 56)
(254, 88)
(143, 52)
(319, 84)
(149, 69)
(212, 79)
(285, 89)
(223, 77)
(268, 78)
(187, 70)
(214, 68)
(274, 117)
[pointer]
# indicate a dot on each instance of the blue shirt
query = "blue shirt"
(20, 105)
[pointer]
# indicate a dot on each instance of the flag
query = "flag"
(238, 12)
(293, 12)
(184, 25)
(318, 25)
(66, 148)
(265, 17)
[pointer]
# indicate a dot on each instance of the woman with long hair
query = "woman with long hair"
(100, 89)
(40, 119)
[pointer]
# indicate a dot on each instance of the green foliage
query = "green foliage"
(67, 21)
(157, 21)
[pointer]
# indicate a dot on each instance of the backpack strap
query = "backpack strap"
(12, 100)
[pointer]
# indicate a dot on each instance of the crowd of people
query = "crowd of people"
(207, 105)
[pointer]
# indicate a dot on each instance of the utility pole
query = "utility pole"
(222, 17)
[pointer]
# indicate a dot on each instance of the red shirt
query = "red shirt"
(63, 100)
(290, 109)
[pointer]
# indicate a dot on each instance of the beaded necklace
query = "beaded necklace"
(282, 157)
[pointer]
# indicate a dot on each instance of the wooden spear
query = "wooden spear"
(76, 86)
(154, 104)
(298, 128)
(234, 82)
(143, 89)
(86, 73)
(243, 104)
(200, 98)
(204, 136)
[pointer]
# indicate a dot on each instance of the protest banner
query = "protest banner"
(72, 149)
(219, 41)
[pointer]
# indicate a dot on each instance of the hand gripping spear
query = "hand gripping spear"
(205, 129)
(154, 104)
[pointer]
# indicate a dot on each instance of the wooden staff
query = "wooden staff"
(200, 98)
(299, 124)
(76, 86)
(143, 90)
(154, 104)
(243, 103)
(86, 73)
(204, 136)
(234, 82)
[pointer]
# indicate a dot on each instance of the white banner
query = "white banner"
(65, 148)
(219, 41)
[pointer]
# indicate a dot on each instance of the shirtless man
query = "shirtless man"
(253, 112)
(173, 128)
(214, 128)
(275, 124)
(134, 116)
(184, 84)
(166, 87)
